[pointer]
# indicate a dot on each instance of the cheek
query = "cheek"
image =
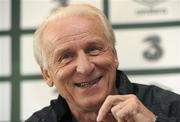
(62, 78)
(64, 73)
(63, 82)
(107, 64)
(106, 61)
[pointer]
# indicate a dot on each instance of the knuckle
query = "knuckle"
(109, 97)
(133, 98)
(120, 115)
(113, 110)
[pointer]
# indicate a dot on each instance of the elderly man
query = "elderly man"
(75, 49)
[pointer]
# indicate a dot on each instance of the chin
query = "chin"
(93, 103)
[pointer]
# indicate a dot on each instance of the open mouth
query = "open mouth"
(89, 83)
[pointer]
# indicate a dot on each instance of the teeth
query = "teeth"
(87, 84)
(84, 84)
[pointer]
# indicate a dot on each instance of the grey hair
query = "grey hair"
(60, 12)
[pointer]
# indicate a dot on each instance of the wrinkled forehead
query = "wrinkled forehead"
(72, 25)
(60, 29)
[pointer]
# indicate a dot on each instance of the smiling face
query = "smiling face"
(81, 61)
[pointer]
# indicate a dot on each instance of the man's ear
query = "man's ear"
(47, 76)
(116, 58)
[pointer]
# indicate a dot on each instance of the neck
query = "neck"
(86, 117)
(91, 117)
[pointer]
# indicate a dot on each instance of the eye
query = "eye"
(65, 57)
(93, 50)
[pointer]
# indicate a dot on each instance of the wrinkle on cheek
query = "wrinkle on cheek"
(64, 88)
(59, 81)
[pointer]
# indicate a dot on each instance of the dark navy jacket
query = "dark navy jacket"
(164, 104)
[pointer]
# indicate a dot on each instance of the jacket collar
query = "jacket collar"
(61, 107)
(123, 84)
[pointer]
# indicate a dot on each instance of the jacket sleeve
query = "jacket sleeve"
(167, 119)
(163, 103)
(169, 113)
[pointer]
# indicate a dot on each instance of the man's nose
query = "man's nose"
(84, 65)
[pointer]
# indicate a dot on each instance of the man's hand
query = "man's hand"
(125, 108)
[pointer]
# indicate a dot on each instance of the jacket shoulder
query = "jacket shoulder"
(43, 115)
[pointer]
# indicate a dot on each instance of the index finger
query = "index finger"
(110, 101)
